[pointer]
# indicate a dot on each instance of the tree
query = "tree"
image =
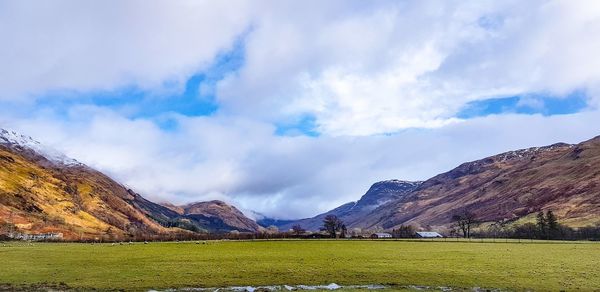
(466, 221)
(498, 228)
(527, 230)
(298, 230)
(404, 231)
(542, 225)
(553, 226)
(332, 225)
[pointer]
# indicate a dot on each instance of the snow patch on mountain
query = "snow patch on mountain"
(13, 139)
(529, 152)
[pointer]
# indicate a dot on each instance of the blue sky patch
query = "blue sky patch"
(543, 104)
(196, 99)
(305, 125)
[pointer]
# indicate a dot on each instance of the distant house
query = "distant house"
(40, 236)
(381, 235)
(428, 234)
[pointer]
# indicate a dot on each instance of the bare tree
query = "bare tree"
(332, 225)
(298, 230)
(466, 221)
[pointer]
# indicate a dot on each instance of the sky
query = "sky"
(291, 108)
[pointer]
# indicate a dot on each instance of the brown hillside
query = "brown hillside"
(39, 196)
(221, 215)
(562, 178)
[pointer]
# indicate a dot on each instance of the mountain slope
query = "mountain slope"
(74, 200)
(353, 213)
(563, 178)
(42, 191)
(220, 216)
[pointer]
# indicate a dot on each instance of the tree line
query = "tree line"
(545, 227)
(465, 224)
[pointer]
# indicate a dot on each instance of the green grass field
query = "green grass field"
(509, 266)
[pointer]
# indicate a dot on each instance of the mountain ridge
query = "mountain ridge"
(378, 194)
(508, 186)
(42, 190)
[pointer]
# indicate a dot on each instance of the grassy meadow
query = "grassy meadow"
(506, 265)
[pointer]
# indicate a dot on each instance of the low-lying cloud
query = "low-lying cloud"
(245, 163)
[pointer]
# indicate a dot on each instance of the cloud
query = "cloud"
(358, 68)
(411, 64)
(243, 162)
(378, 85)
(103, 45)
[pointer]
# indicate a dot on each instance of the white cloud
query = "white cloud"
(103, 45)
(359, 68)
(243, 162)
(411, 64)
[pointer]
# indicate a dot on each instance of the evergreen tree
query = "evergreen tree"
(552, 225)
(542, 225)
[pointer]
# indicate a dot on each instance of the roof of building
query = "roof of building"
(382, 234)
(428, 234)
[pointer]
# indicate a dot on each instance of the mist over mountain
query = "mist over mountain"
(44, 191)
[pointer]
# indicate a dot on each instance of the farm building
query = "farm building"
(41, 236)
(428, 234)
(381, 235)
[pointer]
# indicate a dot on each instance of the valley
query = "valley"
(44, 192)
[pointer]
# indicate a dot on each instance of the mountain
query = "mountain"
(511, 186)
(43, 191)
(353, 213)
(220, 216)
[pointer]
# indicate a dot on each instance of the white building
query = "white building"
(40, 236)
(381, 235)
(428, 234)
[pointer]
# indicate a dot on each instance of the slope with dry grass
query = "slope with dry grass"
(562, 178)
(72, 199)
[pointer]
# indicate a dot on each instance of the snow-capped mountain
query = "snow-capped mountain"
(20, 142)
(85, 203)
(385, 191)
(379, 193)
(509, 186)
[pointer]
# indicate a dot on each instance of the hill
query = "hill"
(43, 191)
(220, 216)
(512, 186)
(352, 213)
